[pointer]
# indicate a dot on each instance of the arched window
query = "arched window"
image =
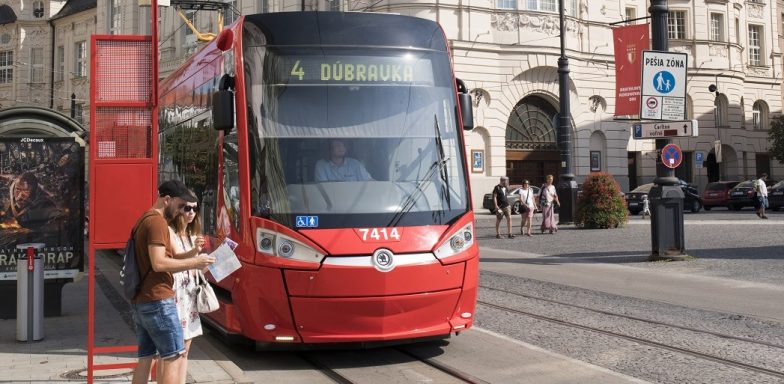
(759, 113)
(720, 110)
(742, 114)
(531, 125)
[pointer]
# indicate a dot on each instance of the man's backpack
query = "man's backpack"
(130, 278)
(129, 274)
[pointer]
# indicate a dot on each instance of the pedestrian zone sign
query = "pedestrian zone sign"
(663, 95)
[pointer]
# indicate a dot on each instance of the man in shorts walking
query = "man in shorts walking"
(158, 328)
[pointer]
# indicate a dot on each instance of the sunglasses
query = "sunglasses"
(190, 208)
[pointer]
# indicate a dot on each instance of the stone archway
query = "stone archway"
(531, 140)
(727, 169)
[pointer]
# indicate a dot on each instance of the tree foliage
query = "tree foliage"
(601, 203)
(776, 138)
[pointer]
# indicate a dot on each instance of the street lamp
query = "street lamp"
(567, 187)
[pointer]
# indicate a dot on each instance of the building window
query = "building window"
(80, 52)
(737, 31)
(631, 14)
(114, 17)
(78, 113)
(755, 45)
(676, 25)
(38, 9)
(6, 67)
(334, 5)
(231, 6)
(759, 113)
(191, 16)
(37, 65)
(506, 4)
(742, 113)
(59, 74)
(543, 5)
(716, 27)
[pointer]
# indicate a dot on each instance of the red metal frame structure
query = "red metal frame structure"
(123, 153)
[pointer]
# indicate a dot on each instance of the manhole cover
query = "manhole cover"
(81, 374)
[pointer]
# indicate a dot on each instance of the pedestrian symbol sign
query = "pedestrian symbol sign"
(671, 156)
(663, 94)
(664, 82)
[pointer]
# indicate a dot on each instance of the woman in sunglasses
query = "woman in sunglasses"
(185, 231)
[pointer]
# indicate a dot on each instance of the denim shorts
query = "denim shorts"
(158, 329)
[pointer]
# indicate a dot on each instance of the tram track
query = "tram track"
(635, 339)
(316, 360)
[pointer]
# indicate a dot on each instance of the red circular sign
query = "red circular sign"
(651, 102)
(671, 156)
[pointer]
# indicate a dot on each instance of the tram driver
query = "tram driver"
(339, 167)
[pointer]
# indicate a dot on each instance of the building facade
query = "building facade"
(506, 51)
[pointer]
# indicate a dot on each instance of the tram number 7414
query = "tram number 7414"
(379, 234)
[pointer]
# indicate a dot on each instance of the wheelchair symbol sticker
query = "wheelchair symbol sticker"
(306, 221)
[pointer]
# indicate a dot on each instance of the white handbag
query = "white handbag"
(206, 301)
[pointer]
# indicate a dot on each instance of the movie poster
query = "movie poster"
(41, 201)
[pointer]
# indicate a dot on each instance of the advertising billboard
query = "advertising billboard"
(42, 201)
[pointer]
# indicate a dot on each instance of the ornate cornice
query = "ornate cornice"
(717, 50)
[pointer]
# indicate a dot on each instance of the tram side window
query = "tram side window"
(231, 178)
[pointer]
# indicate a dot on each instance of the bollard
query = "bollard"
(30, 294)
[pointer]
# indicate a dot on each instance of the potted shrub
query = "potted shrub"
(601, 203)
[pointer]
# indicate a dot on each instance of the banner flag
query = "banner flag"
(630, 41)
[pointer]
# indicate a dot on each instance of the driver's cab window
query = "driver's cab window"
(231, 178)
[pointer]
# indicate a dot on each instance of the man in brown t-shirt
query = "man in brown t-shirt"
(158, 328)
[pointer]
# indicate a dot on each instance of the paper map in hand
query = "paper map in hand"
(226, 260)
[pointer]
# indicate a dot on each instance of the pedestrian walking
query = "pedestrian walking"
(548, 198)
(646, 208)
(502, 208)
(158, 330)
(187, 242)
(762, 195)
(527, 208)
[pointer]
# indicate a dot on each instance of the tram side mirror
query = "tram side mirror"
(466, 105)
(223, 105)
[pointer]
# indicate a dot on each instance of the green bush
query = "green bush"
(601, 203)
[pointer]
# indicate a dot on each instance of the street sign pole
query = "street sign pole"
(667, 237)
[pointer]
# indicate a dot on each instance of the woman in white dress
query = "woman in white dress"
(549, 198)
(187, 241)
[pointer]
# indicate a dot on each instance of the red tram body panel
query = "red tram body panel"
(374, 246)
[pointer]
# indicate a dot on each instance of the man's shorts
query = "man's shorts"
(762, 201)
(506, 211)
(158, 329)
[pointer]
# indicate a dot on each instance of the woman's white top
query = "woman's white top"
(184, 290)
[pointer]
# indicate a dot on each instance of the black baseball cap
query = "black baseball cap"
(176, 188)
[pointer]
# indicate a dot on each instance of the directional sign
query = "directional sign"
(660, 129)
(671, 156)
(663, 85)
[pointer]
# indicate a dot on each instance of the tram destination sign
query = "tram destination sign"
(662, 129)
(663, 95)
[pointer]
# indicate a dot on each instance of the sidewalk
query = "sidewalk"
(62, 354)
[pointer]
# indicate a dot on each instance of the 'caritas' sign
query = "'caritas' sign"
(42, 201)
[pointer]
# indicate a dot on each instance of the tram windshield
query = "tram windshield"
(355, 136)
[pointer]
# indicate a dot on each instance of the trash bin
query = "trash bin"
(30, 293)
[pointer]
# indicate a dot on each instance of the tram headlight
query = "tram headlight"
(459, 242)
(279, 245)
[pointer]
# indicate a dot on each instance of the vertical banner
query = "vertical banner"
(630, 41)
(41, 201)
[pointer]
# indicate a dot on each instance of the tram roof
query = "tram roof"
(349, 28)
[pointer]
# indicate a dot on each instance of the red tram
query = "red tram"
(333, 153)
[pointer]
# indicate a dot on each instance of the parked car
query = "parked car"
(717, 194)
(776, 196)
(513, 196)
(691, 198)
(743, 194)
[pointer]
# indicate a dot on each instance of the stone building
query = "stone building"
(506, 51)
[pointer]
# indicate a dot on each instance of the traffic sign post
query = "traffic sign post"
(663, 95)
(662, 129)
